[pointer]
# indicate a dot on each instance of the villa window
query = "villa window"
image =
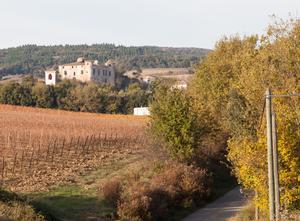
(81, 71)
(74, 73)
(94, 71)
(65, 73)
(109, 73)
(50, 76)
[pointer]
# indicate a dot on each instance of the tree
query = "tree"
(44, 96)
(230, 84)
(16, 94)
(175, 123)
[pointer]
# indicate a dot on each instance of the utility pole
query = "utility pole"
(273, 169)
(275, 164)
(270, 153)
(256, 209)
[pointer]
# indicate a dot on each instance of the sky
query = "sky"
(170, 23)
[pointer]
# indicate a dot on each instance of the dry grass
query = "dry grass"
(165, 71)
(174, 73)
(41, 147)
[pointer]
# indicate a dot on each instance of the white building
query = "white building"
(181, 85)
(84, 71)
(50, 77)
(141, 111)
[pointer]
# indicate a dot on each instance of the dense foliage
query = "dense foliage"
(34, 59)
(230, 84)
(157, 191)
(74, 96)
(174, 121)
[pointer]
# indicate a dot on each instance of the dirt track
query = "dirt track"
(221, 209)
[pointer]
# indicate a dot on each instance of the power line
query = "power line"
(270, 96)
(283, 95)
(262, 114)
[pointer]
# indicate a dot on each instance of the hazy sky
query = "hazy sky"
(179, 23)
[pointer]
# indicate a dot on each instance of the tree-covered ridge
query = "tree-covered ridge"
(34, 59)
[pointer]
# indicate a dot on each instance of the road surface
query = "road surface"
(221, 209)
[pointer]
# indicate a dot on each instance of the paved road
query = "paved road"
(221, 209)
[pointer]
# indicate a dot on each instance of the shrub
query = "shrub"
(19, 211)
(111, 191)
(178, 186)
(186, 185)
(135, 203)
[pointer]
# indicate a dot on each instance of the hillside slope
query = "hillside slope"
(34, 59)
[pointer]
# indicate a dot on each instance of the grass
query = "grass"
(69, 203)
(246, 214)
(14, 207)
(80, 201)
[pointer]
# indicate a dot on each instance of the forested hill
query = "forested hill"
(34, 59)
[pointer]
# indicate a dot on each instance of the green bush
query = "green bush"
(174, 122)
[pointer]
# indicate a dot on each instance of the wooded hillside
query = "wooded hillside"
(34, 59)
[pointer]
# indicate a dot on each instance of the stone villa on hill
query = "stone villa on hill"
(84, 71)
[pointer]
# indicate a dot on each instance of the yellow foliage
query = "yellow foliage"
(230, 83)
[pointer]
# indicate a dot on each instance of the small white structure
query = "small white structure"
(141, 111)
(148, 79)
(50, 77)
(180, 85)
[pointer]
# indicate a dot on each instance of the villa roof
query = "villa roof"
(76, 63)
(50, 69)
(82, 63)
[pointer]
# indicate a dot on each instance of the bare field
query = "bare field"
(175, 73)
(12, 78)
(165, 71)
(40, 148)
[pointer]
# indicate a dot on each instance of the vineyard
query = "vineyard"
(40, 148)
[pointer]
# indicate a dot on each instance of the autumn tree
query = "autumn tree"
(230, 84)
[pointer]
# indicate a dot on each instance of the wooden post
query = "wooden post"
(31, 158)
(77, 144)
(256, 213)
(15, 161)
(48, 150)
(70, 146)
(62, 147)
(3, 168)
(270, 153)
(276, 170)
(38, 154)
(22, 159)
(53, 152)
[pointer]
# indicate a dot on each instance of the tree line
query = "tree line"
(35, 59)
(75, 96)
(224, 107)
